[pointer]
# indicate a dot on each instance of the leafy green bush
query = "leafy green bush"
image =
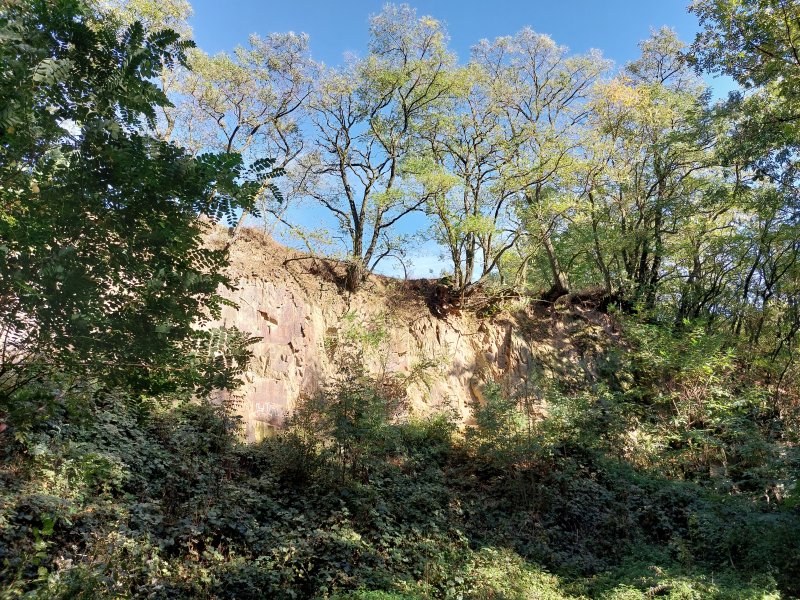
(168, 503)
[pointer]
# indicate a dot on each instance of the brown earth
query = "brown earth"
(296, 305)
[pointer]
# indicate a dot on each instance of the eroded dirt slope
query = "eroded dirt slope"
(295, 305)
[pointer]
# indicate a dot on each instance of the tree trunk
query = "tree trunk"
(354, 276)
(598, 251)
(560, 281)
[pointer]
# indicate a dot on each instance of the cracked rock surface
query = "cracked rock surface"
(293, 304)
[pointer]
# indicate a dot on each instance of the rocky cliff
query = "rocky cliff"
(297, 308)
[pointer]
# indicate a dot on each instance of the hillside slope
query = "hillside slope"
(585, 457)
(294, 304)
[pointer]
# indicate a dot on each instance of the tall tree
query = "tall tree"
(757, 43)
(652, 183)
(364, 117)
(457, 163)
(156, 15)
(542, 96)
(249, 101)
(103, 267)
(494, 156)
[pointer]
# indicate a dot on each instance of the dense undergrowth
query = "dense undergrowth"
(669, 470)
(104, 496)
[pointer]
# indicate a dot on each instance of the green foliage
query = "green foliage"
(671, 471)
(753, 41)
(104, 498)
(502, 431)
(351, 419)
(105, 267)
(691, 412)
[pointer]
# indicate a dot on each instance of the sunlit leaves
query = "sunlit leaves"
(106, 269)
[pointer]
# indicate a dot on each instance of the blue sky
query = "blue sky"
(613, 26)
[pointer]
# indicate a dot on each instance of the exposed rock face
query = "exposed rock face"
(292, 302)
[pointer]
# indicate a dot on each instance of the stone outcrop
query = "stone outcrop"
(297, 308)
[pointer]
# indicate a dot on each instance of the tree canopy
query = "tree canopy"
(104, 264)
(644, 235)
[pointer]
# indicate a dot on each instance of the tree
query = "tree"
(248, 102)
(458, 161)
(364, 117)
(542, 95)
(155, 15)
(655, 158)
(757, 42)
(104, 272)
(492, 156)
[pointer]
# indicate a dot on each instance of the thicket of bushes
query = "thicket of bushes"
(672, 473)
(126, 499)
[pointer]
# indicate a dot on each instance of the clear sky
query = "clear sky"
(337, 27)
